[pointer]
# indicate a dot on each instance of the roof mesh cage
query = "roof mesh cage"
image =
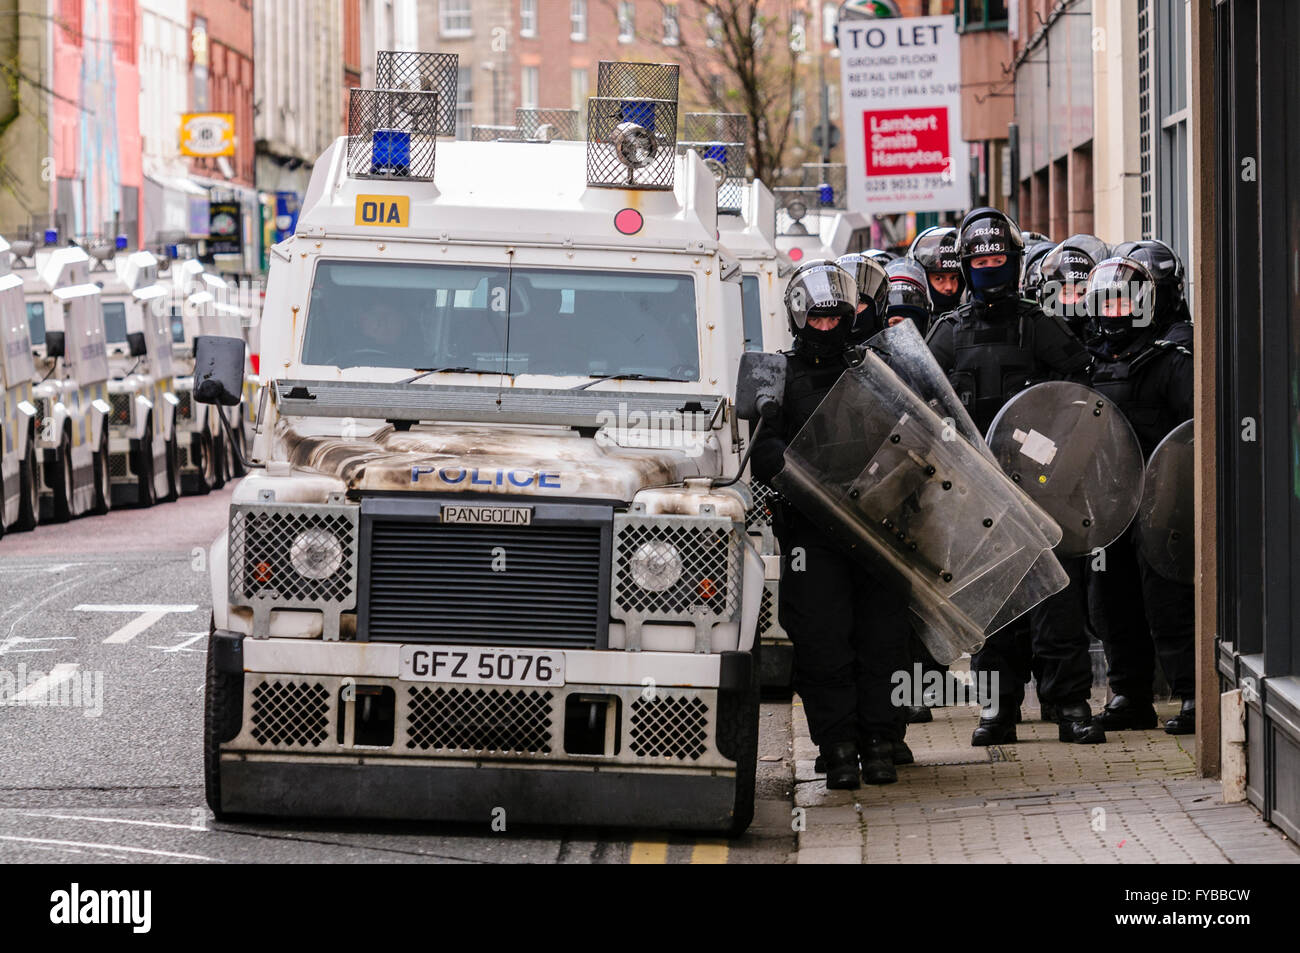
(392, 134)
(631, 143)
(422, 72)
(722, 141)
(637, 80)
(797, 210)
(831, 181)
(548, 124)
(494, 133)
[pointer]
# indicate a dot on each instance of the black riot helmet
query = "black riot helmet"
(935, 250)
(1167, 270)
(1121, 300)
(821, 288)
(985, 232)
(873, 288)
(880, 255)
(909, 293)
(1031, 275)
(1063, 279)
(1034, 237)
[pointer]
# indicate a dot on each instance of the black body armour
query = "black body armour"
(991, 355)
(1151, 382)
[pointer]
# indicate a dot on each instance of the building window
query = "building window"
(527, 17)
(799, 113)
(529, 83)
(1169, 125)
(973, 15)
(464, 101)
(672, 31)
(712, 28)
(830, 14)
(577, 19)
(455, 18)
(626, 21)
(579, 88)
(798, 31)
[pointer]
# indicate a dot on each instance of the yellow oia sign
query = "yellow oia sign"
(206, 135)
(393, 210)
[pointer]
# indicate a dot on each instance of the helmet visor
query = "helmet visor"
(827, 289)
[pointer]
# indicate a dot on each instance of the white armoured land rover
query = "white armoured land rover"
(64, 305)
(19, 472)
(490, 564)
(144, 458)
(812, 221)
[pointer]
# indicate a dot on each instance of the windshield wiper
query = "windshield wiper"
(628, 377)
(454, 370)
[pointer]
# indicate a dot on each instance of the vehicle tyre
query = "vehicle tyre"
(222, 708)
(219, 457)
(143, 448)
(173, 467)
(241, 440)
(60, 480)
(29, 504)
(738, 723)
(103, 482)
(206, 478)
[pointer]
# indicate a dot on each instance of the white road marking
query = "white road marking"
(61, 567)
(184, 646)
(122, 847)
(41, 688)
(54, 592)
(148, 615)
(115, 820)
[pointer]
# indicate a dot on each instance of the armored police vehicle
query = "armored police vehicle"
(72, 396)
(491, 563)
(19, 470)
(144, 459)
(811, 219)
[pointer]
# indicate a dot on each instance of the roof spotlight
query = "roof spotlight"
(717, 170)
(635, 145)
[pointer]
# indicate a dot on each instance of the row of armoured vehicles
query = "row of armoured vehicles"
(97, 357)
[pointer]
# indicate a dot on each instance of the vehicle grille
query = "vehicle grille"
(119, 410)
(670, 726)
(490, 585)
(480, 719)
(765, 612)
(290, 714)
(707, 575)
(760, 514)
(118, 466)
(184, 405)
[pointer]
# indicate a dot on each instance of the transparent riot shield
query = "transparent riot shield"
(1166, 517)
(933, 516)
(907, 354)
(1076, 456)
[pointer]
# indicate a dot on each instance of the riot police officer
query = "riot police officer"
(909, 294)
(873, 290)
(1143, 364)
(1030, 275)
(848, 628)
(1063, 278)
(992, 347)
(935, 250)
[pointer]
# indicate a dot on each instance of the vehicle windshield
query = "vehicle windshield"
(115, 322)
(568, 322)
(36, 322)
(178, 326)
(753, 313)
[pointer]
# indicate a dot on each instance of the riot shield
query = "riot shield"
(1075, 454)
(933, 516)
(904, 349)
(1166, 517)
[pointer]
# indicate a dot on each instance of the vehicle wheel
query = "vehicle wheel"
(219, 457)
(29, 506)
(103, 482)
(738, 723)
(222, 708)
(145, 495)
(61, 480)
(173, 467)
(241, 441)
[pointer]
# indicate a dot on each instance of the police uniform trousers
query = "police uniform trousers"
(850, 635)
(1140, 616)
(1049, 642)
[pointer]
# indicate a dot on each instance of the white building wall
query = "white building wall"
(164, 82)
(1116, 154)
(388, 25)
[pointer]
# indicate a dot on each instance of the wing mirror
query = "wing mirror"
(218, 370)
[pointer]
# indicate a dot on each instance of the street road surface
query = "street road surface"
(111, 614)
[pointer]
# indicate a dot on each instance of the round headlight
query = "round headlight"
(717, 170)
(316, 554)
(656, 565)
(634, 144)
(796, 210)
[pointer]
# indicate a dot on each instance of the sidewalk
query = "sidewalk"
(1135, 799)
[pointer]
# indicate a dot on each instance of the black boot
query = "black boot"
(1048, 712)
(1183, 723)
(902, 753)
(1077, 725)
(1123, 713)
(916, 714)
(999, 729)
(878, 761)
(841, 764)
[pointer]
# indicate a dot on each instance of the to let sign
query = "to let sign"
(206, 135)
(901, 82)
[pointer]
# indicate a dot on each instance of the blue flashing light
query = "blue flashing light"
(120, 243)
(173, 251)
(51, 236)
(825, 194)
(390, 152)
(640, 112)
(716, 152)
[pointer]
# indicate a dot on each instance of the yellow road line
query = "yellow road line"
(709, 852)
(649, 852)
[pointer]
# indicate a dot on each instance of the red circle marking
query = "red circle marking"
(628, 221)
(795, 254)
